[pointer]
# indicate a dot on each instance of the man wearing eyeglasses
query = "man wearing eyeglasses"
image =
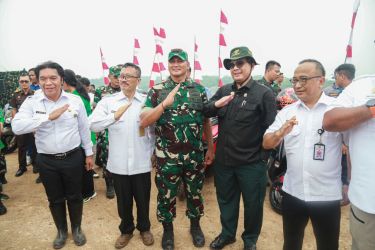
(176, 108)
(271, 73)
(23, 141)
(245, 109)
(130, 150)
(312, 183)
(102, 139)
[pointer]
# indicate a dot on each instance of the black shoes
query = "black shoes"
(20, 172)
(38, 180)
(167, 241)
(110, 193)
(196, 233)
(220, 243)
(3, 209)
(252, 247)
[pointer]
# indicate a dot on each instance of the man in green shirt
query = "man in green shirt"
(271, 73)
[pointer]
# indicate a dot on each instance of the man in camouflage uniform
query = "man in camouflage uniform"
(271, 73)
(176, 106)
(102, 140)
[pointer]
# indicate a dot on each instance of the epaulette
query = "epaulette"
(17, 90)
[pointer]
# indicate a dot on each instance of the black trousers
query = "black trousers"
(62, 178)
(23, 143)
(128, 187)
(325, 218)
(87, 183)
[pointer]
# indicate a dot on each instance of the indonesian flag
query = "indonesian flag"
(222, 43)
(159, 36)
(349, 48)
(197, 65)
(136, 51)
(104, 67)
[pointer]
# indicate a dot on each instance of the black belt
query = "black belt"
(62, 156)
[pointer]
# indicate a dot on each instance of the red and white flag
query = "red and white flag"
(137, 47)
(349, 48)
(105, 68)
(222, 43)
(158, 66)
(197, 76)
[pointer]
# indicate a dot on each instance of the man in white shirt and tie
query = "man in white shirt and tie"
(312, 183)
(62, 138)
(129, 154)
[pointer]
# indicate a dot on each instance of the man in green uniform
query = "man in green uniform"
(176, 107)
(245, 109)
(271, 73)
(102, 140)
(23, 141)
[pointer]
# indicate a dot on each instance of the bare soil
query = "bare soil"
(28, 223)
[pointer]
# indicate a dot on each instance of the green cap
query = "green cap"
(179, 53)
(115, 70)
(238, 53)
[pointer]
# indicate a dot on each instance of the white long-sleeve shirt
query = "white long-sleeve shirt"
(129, 151)
(305, 178)
(361, 144)
(63, 134)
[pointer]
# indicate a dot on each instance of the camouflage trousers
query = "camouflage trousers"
(102, 152)
(187, 168)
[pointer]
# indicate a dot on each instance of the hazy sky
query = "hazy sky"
(71, 31)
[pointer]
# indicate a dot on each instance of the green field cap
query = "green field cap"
(115, 70)
(179, 53)
(238, 53)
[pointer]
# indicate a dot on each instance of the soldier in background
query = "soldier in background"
(176, 108)
(102, 139)
(271, 74)
(24, 140)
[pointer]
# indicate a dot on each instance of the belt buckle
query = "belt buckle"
(61, 156)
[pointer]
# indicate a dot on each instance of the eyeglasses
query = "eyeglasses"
(24, 81)
(302, 80)
(127, 77)
(238, 64)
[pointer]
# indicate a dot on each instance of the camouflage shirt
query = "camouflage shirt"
(272, 86)
(180, 127)
(103, 91)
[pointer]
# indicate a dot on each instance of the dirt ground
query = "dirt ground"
(29, 225)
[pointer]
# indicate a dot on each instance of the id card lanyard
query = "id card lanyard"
(319, 148)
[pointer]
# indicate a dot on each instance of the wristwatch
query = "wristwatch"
(371, 105)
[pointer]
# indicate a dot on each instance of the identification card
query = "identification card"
(319, 151)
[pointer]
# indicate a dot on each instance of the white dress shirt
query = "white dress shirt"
(305, 178)
(61, 135)
(361, 144)
(129, 152)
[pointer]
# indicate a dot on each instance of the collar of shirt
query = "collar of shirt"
(29, 92)
(137, 96)
(44, 97)
(247, 86)
(324, 99)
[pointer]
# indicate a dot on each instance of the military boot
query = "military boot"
(196, 233)
(167, 242)
(58, 212)
(75, 214)
(110, 192)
